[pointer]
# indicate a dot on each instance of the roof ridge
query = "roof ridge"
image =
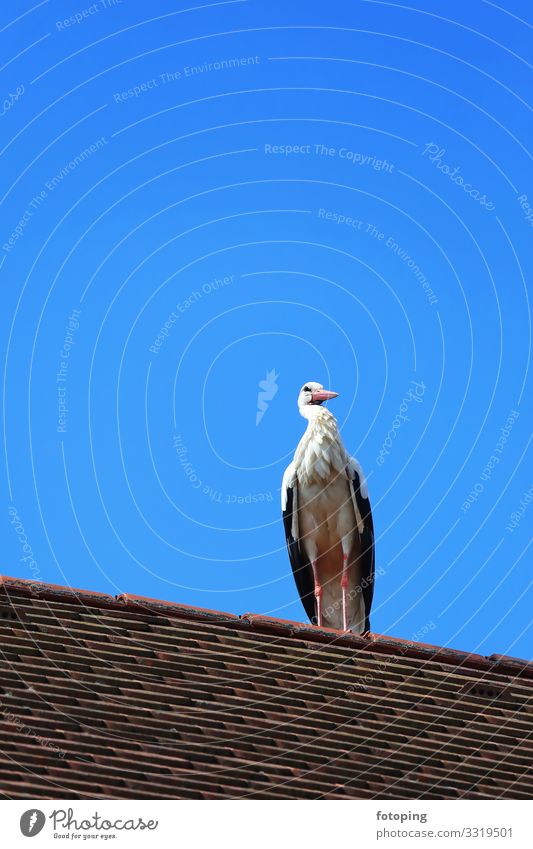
(376, 643)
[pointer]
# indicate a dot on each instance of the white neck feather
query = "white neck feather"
(320, 452)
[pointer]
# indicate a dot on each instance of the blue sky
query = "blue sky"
(196, 200)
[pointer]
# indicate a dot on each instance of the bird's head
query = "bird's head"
(312, 395)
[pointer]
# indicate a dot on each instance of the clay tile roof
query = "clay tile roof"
(128, 697)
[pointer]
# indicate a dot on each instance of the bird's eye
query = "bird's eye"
(306, 389)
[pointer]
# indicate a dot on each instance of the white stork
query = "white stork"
(328, 522)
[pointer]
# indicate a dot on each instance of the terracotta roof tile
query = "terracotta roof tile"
(131, 697)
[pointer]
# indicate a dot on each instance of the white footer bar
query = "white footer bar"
(264, 824)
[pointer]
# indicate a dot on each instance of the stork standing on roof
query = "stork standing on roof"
(328, 522)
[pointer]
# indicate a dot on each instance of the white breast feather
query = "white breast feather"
(320, 451)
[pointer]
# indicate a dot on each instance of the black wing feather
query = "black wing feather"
(301, 568)
(367, 557)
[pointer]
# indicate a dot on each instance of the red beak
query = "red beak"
(323, 395)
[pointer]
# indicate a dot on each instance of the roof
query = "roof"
(127, 697)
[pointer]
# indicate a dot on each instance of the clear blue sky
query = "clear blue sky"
(195, 197)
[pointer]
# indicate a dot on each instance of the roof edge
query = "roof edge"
(376, 643)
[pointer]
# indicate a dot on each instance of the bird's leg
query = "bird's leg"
(318, 594)
(344, 586)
